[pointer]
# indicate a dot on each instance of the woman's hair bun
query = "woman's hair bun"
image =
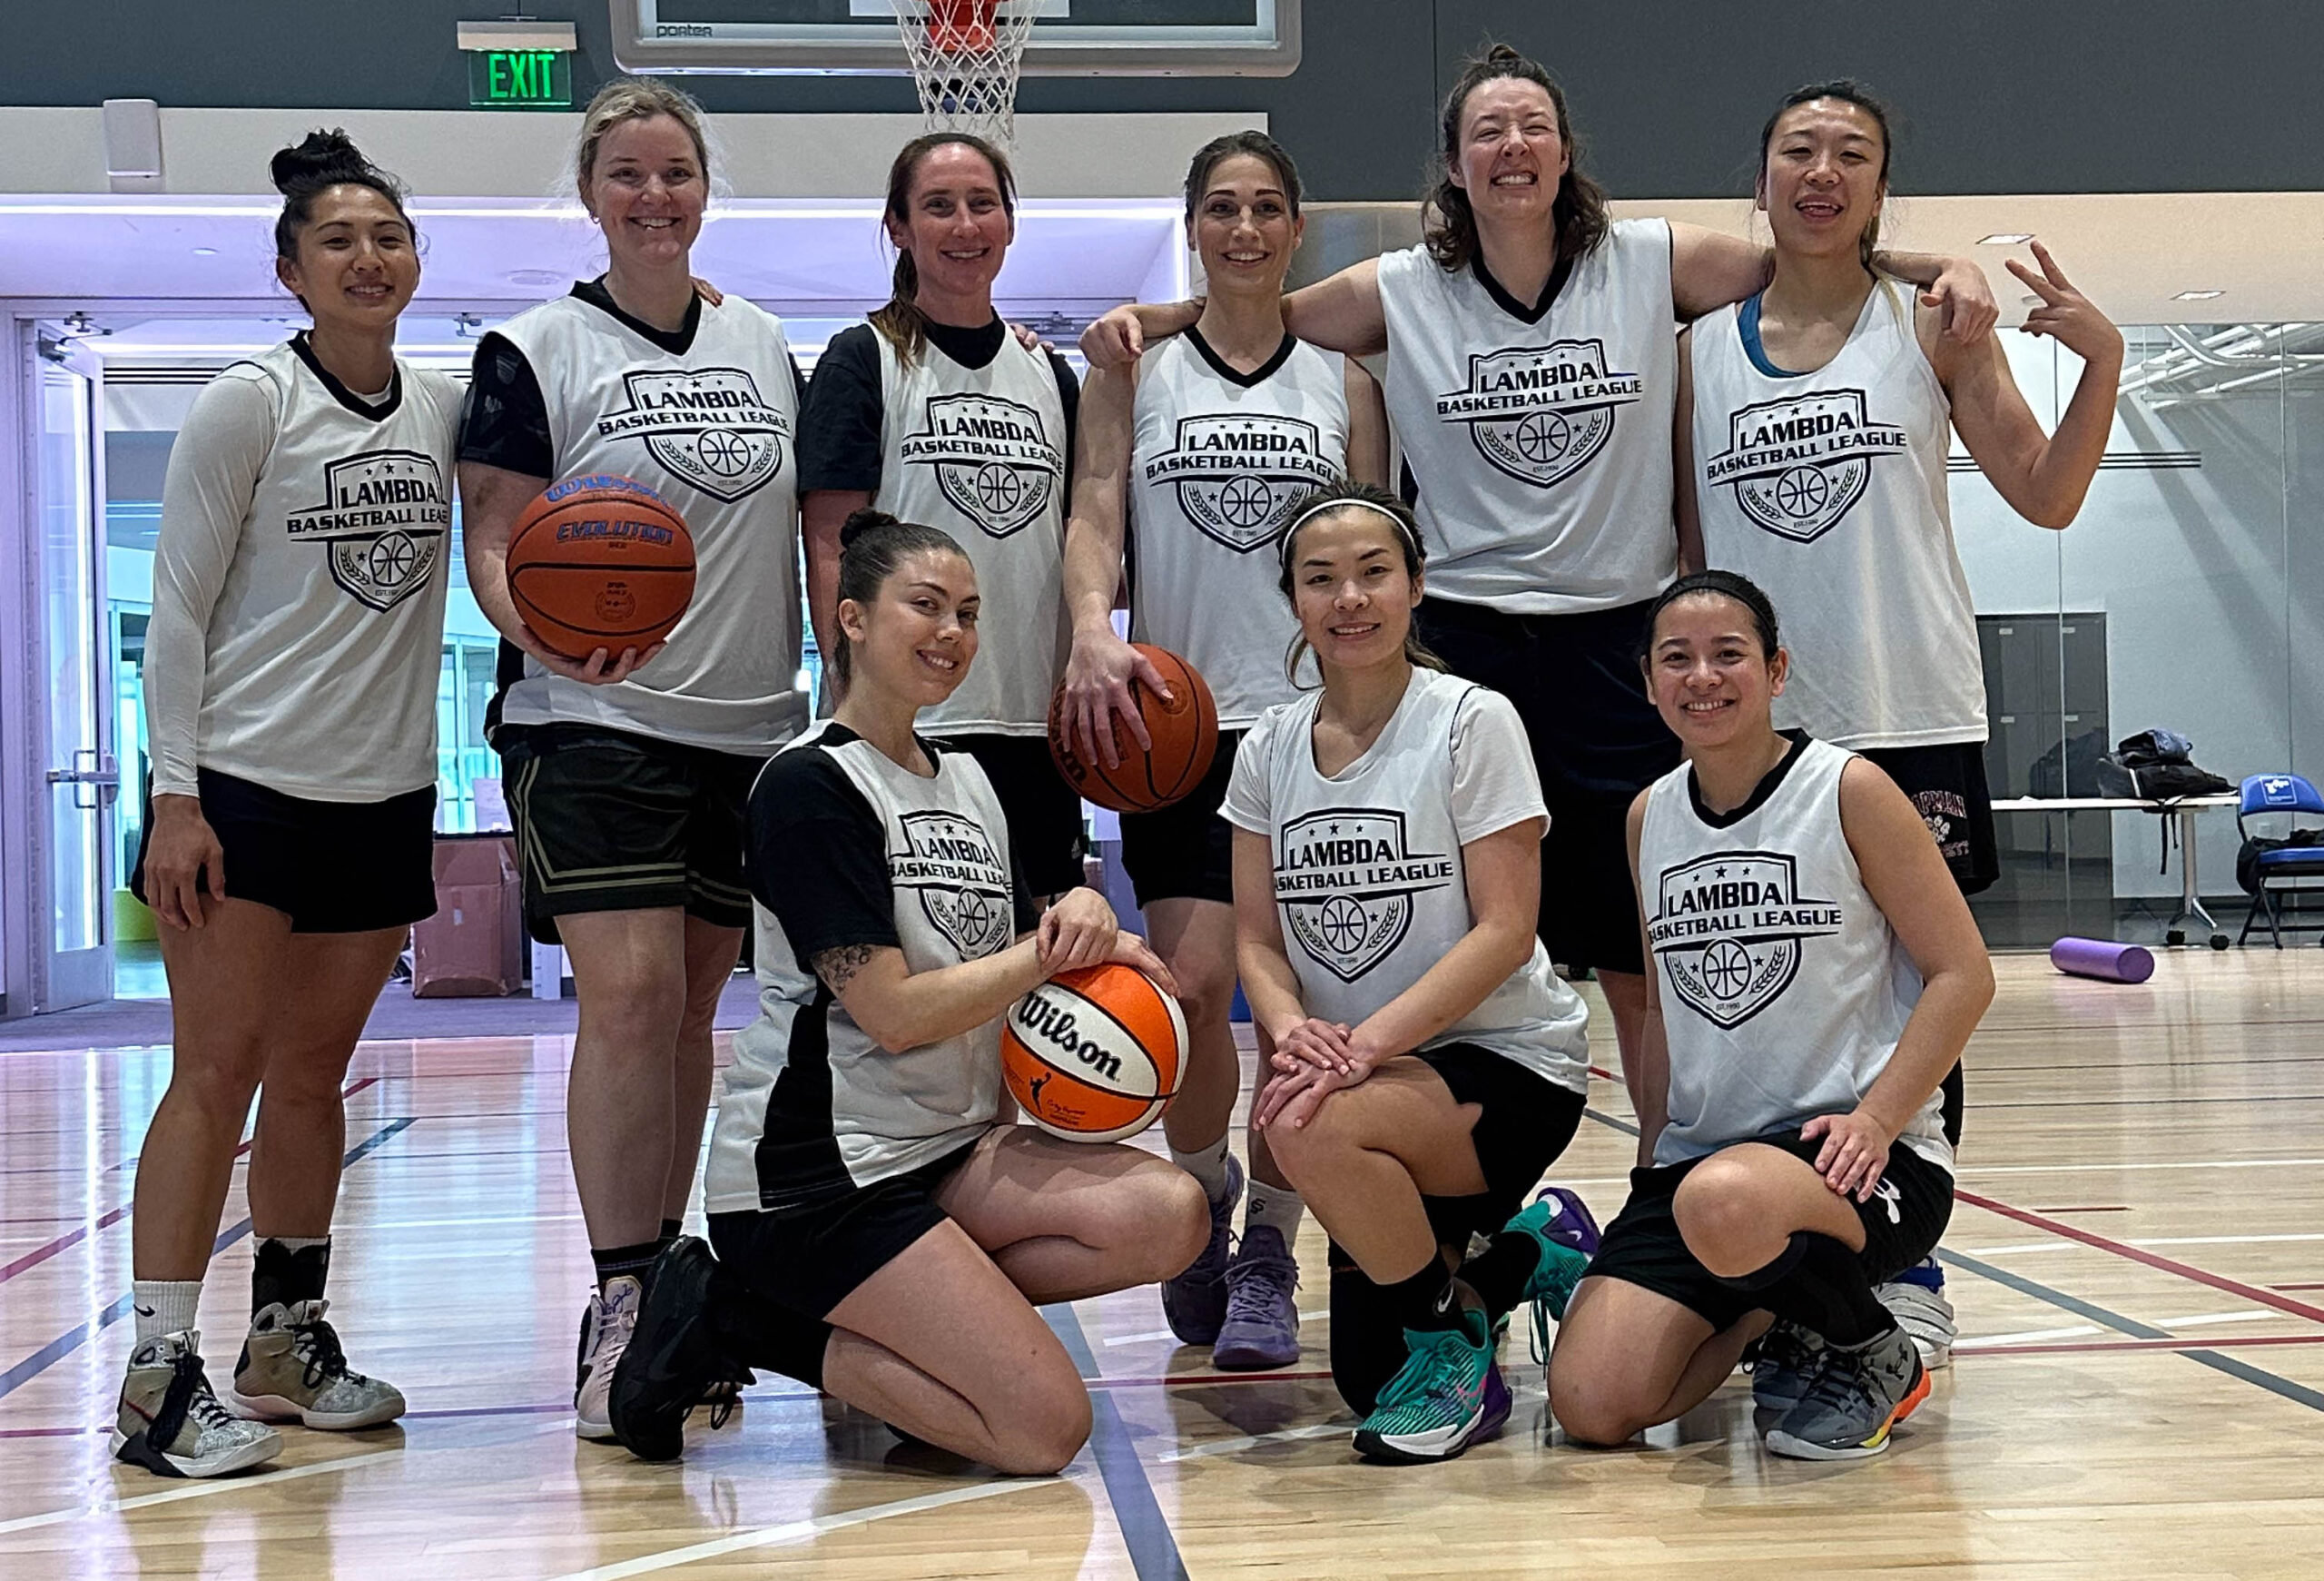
(859, 522)
(1502, 54)
(320, 158)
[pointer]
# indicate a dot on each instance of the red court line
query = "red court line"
(74, 1237)
(2167, 1265)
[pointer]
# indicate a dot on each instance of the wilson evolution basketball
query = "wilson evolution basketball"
(1094, 1055)
(600, 562)
(1184, 730)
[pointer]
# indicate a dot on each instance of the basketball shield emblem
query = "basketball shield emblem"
(963, 889)
(993, 460)
(383, 520)
(1540, 413)
(706, 426)
(1797, 465)
(1237, 475)
(1728, 928)
(1346, 883)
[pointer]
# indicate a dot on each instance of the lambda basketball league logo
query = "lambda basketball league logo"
(993, 460)
(707, 425)
(1729, 929)
(1237, 476)
(1541, 412)
(962, 885)
(383, 518)
(1345, 879)
(1797, 465)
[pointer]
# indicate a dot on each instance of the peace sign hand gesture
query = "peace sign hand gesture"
(2066, 315)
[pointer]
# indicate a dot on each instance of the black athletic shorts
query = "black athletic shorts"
(608, 820)
(1597, 743)
(1186, 851)
(810, 1258)
(1643, 1247)
(1044, 813)
(1947, 784)
(333, 867)
(1526, 1122)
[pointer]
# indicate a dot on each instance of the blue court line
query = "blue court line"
(1153, 1550)
(65, 1344)
(1624, 1126)
(2299, 1394)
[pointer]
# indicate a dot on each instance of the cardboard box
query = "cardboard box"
(474, 946)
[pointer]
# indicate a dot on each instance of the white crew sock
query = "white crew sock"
(1207, 1165)
(1275, 1208)
(164, 1306)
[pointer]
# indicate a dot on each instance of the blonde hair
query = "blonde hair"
(635, 99)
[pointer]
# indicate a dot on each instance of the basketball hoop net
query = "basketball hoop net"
(965, 55)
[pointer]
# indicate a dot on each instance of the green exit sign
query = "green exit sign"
(522, 79)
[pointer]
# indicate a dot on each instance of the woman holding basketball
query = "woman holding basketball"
(1532, 379)
(628, 772)
(1428, 1064)
(1200, 448)
(935, 412)
(1813, 420)
(879, 1234)
(1818, 976)
(290, 699)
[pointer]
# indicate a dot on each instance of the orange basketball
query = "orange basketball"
(1094, 1055)
(600, 562)
(1184, 730)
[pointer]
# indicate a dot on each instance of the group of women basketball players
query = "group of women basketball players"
(1613, 766)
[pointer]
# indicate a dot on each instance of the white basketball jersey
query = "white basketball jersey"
(1370, 887)
(1541, 445)
(710, 430)
(847, 1112)
(325, 642)
(980, 453)
(1218, 459)
(1784, 990)
(1827, 489)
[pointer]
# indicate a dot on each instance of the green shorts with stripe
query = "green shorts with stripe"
(608, 820)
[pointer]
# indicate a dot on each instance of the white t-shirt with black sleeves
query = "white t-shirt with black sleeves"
(299, 582)
(1217, 459)
(1370, 883)
(847, 848)
(1784, 990)
(705, 419)
(1539, 434)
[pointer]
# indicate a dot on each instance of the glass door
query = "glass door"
(73, 757)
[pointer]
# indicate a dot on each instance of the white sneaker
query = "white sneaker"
(170, 1423)
(1921, 1310)
(605, 1329)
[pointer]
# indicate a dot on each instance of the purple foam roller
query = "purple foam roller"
(2103, 959)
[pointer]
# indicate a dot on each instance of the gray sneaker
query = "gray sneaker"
(292, 1369)
(170, 1423)
(1262, 1326)
(1854, 1399)
(1787, 1360)
(1916, 1299)
(1195, 1302)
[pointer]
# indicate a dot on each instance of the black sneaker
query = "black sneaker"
(670, 1359)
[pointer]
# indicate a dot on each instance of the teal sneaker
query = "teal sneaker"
(1549, 1222)
(1448, 1395)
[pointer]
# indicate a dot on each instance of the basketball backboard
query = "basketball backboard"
(1256, 38)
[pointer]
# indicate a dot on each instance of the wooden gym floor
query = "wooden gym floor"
(2138, 1258)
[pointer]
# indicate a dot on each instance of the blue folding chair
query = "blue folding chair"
(2287, 870)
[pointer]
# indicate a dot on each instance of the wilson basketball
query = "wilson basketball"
(1184, 730)
(600, 562)
(1094, 1055)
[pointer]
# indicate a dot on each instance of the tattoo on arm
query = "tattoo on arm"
(837, 967)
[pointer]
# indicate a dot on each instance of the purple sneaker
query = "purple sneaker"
(1572, 1224)
(1262, 1327)
(1195, 1302)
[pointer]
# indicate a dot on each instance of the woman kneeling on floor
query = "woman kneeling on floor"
(1817, 974)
